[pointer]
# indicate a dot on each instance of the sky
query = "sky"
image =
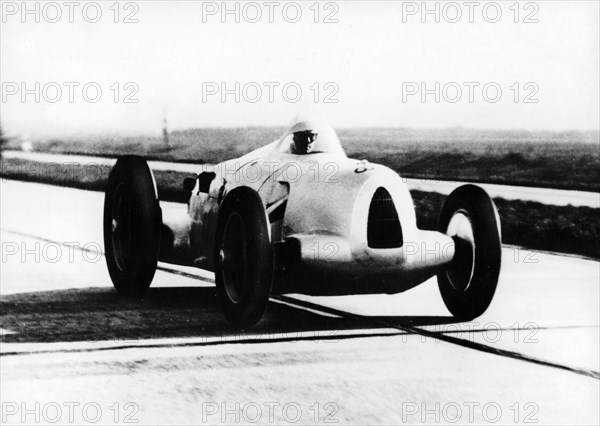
(361, 64)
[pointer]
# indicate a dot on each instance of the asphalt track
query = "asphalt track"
(78, 351)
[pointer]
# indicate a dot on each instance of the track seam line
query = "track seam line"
(454, 340)
(87, 250)
(211, 343)
(331, 311)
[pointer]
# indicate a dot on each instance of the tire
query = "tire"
(243, 258)
(132, 220)
(468, 284)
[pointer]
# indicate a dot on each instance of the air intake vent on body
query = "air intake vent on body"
(383, 227)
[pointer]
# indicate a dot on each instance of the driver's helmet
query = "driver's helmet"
(309, 125)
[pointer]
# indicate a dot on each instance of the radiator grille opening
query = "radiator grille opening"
(383, 226)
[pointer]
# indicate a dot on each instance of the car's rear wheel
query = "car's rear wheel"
(469, 282)
(243, 258)
(132, 219)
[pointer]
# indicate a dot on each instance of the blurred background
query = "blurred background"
(367, 52)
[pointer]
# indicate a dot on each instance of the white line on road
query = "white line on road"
(304, 308)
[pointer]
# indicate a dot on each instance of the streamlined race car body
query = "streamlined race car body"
(274, 221)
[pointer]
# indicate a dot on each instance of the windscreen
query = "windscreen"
(326, 140)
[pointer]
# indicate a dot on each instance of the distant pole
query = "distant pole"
(3, 140)
(165, 132)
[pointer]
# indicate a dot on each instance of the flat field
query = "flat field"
(565, 160)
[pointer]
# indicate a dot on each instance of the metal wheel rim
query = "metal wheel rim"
(461, 227)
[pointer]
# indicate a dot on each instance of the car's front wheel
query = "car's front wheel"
(469, 282)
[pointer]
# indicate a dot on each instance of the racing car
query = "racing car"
(276, 221)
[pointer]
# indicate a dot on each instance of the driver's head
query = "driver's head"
(303, 141)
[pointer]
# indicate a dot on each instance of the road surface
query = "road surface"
(74, 352)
